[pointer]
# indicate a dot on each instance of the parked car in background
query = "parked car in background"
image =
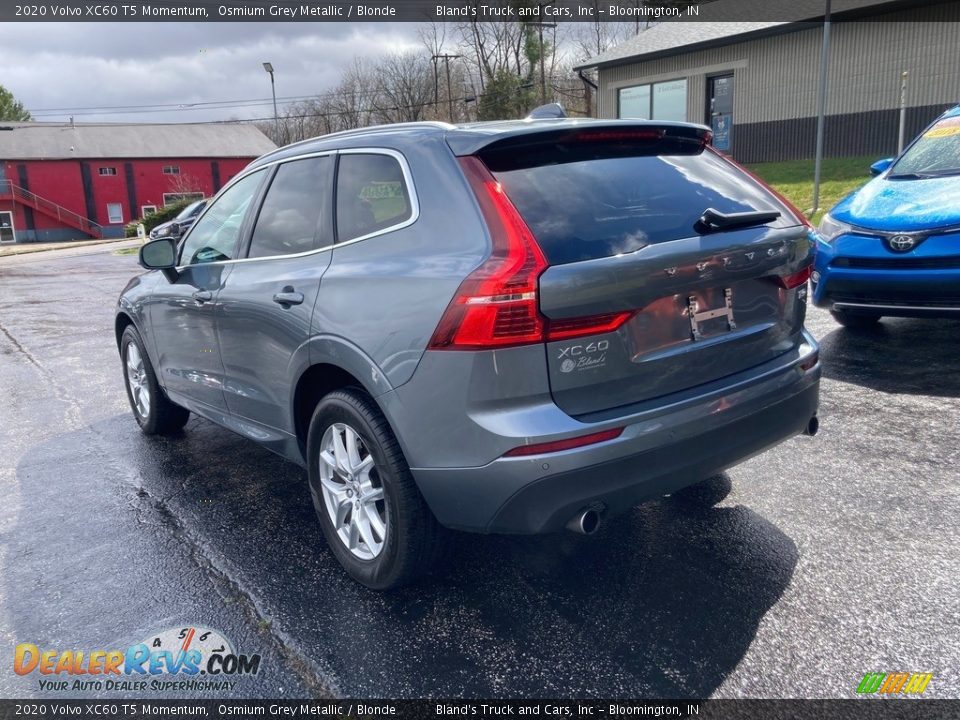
(184, 220)
(508, 327)
(892, 248)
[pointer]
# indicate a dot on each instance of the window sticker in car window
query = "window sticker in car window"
(944, 128)
(386, 198)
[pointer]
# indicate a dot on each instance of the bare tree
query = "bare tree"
(185, 184)
(404, 87)
(590, 39)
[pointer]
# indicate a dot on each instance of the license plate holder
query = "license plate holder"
(698, 316)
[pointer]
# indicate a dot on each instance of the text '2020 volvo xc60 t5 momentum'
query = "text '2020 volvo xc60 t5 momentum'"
(505, 327)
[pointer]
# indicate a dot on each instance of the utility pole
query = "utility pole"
(821, 107)
(446, 61)
(543, 76)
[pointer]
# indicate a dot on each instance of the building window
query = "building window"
(655, 101)
(114, 213)
(108, 171)
(173, 198)
(147, 210)
(171, 169)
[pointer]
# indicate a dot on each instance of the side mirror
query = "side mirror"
(880, 166)
(174, 229)
(160, 255)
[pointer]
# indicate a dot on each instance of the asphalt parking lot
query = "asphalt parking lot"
(831, 557)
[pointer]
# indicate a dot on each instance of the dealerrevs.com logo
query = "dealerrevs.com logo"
(177, 659)
(897, 683)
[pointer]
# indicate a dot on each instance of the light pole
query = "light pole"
(273, 90)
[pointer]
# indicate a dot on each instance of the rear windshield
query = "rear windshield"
(592, 208)
(936, 153)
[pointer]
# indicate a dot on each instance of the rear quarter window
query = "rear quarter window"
(610, 203)
(372, 195)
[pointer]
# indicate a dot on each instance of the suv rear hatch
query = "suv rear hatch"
(665, 265)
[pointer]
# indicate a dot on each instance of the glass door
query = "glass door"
(6, 227)
(720, 111)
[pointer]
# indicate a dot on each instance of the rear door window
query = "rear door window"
(289, 219)
(583, 205)
(372, 195)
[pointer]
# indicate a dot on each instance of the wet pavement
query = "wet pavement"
(831, 556)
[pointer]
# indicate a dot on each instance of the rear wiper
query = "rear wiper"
(715, 221)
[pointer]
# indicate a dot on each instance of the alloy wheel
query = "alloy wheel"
(352, 492)
(137, 380)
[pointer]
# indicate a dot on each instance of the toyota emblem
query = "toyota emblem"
(902, 243)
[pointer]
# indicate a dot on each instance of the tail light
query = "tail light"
(811, 361)
(618, 135)
(592, 325)
(568, 444)
(497, 304)
(795, 279)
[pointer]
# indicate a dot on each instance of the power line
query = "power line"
(162, 105)
(206, 105)
(365, 109)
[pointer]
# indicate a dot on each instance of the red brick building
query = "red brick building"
(66, 181)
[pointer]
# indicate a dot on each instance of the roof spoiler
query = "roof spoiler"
(519, 135)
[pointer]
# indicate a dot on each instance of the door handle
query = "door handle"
(288, 298)
(202, 296)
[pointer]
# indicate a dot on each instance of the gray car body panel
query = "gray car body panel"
(469, 496)
(371, 307)
(411, 271)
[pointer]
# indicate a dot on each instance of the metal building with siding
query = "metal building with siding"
(756, 83)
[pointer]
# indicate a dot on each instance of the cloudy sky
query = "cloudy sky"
(49, 66)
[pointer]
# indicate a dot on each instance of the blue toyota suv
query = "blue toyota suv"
(892, 248)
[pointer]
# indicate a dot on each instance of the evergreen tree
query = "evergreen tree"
(10, 108)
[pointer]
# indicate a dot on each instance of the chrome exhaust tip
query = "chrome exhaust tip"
(586, 522)
(813, 425)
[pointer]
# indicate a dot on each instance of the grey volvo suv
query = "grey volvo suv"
(506, 327)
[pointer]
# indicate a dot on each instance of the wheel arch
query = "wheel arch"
(333, 365)
(121, 323)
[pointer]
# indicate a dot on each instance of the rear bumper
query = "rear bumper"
(618, 485)
(661, 449)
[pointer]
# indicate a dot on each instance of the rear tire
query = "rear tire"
(705, 493)
(155, 414)
(854, 321)
(373, 516)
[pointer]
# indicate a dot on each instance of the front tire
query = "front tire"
(155, 414)
(376, 523)
(855, 322)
